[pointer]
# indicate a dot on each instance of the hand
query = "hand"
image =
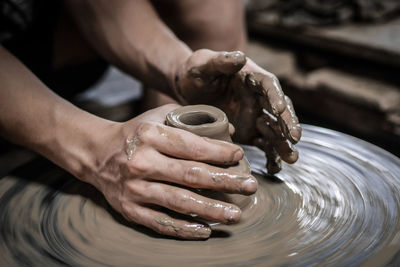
(250, 96)
(148, 166)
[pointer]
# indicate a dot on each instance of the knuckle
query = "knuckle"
(135, 189)
(145, 132)
(228, 153)
(272, 79)
(203, 51)
(198, 151)
(139, 166)
(191, 175)
(128, 212)
(179, 202)
(163, 230)
(164, 227)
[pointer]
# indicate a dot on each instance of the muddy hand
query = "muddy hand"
(152, 167)
(250, 96)
(278, 123)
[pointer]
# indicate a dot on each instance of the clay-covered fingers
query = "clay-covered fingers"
(272, 136)
(203, 176)
(290, 123)
(218, 63)
(275, 102)
(185, 145)
(183, 201)
(269, 126)
(165, 224)
(269, 89)
(274, 163)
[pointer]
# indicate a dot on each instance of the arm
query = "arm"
(33, 116)
(129, 34)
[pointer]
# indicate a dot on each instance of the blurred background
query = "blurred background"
(339, 61)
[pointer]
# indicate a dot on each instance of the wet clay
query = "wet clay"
(339, 205)
(211, 123)
(206, 121)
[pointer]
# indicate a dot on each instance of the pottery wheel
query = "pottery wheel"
(338, 205)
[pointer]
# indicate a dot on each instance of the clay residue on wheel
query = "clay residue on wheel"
(339, 206)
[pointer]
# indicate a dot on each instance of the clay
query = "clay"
(131, 147)
(211, 123)
(339, 205)
(206, 121)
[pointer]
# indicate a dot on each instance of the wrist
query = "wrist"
(175, 69)
(76, 141)
(90, 149)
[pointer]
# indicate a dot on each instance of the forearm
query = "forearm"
(33, 116)
(130, 35)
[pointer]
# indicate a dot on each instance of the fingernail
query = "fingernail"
(234, 54)
(236, 57)
(250, 185)
(232, 214)
(238, 155)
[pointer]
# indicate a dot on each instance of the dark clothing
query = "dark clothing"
(16, 17)
(27, 30)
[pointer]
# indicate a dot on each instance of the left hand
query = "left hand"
(250, 96)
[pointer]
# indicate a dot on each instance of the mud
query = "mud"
(338, 205)
(208, 122)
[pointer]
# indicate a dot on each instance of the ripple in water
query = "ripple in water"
(338, 205)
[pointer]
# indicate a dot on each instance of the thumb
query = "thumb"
(217, 63)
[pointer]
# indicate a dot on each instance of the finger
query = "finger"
(221, 63)
(157, 114)
(268, 125)
(287, 151)
(185, 145)
(165, 224)
(264, 126)
(269, 88)
(290, 123)
(203, 176)
(284, 148)
(184, 201)
(274, 163)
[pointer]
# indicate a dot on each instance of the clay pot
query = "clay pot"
(206, 121)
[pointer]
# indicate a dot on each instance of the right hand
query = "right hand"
(165, 160)
(251, 97)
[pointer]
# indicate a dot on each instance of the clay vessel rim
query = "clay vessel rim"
(197, 116)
